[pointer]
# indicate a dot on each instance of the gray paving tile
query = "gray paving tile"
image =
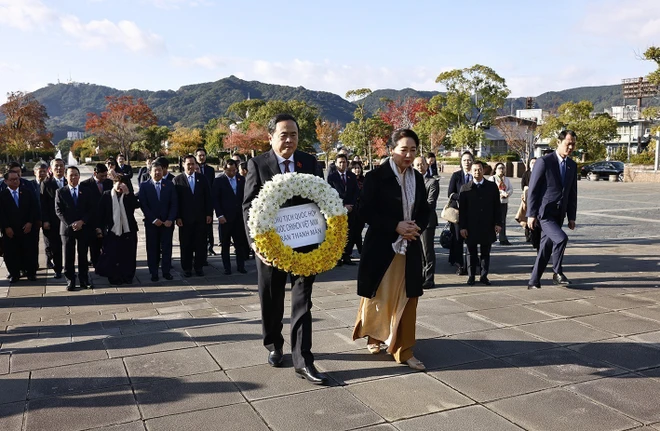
(630, 394)
(173, 363)
(560, 410)
(132, 426)
(490, 379)
(240, 354)
(139, 344)
(548, 293)
(620, 302)
(503, 342)
(336, 340)
(565, 331)
(652, 312)
(57, 355)
(14, 387)
(514, 315)
(264, 381)
(346, 315)
(407, 396)
(227, 332)
(620, 323)
(445, 352)
(579, 307)
(440, 306)
(561, 366)
(469, 418)
(77, 378)
(621, 352)
(456, 323)
(11, 416)
(238, 417)
(359, 365)
(488, 300)
(4, 363)
(167, 396)
(82, 411)
(292, 412)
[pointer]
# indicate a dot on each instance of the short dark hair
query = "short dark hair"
(230, 162)
(100, 168)
(272, 124)
(14, 165)
(74, 168)
(164, 163)
(341, 156)
(470, 154)
(120, 155)
(155, 164)
(6, 175)
(52, 162)
(478, 162)
(200, 149)
(243, 166)
(403, 133)
(189, 156)
(430, 155)
(562, 135)
(355, 164)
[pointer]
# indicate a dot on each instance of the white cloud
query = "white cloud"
(177, 4)
(210, 62)
(29, 15)
(636, 22)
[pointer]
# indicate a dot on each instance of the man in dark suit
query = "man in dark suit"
(50, 220)
(18, 220)
(480, 220)
(228, 192)
(552, 196)
(194, 214)
(123, 168)
(345, 182)
(143, 173)
(159, 203)
(167, 175)
(432, 164)
(428, 235)
(95, 186)
(73, 207)
(283, 158)
(457, 180)
(209, 173)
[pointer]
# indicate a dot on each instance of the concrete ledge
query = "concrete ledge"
(640, 174)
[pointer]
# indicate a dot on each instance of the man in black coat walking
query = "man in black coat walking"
(480, 220)
(50, 220)
(195, 213)
(428, 236)
(95, 187)
(345, 182)
(207, 172)
(457, 180)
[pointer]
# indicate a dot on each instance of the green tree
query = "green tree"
(653, 54)
(65, 145)
(152, 140)
(473, 97)
(592, 132)
(215, 133)
(355, 134)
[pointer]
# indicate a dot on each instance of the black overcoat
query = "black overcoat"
(382, 209)
(480, 212)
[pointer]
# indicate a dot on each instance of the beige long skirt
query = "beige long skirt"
(390, 316)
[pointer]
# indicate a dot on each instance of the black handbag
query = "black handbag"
(445, 236)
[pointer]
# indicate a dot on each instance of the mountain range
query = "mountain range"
(194, 105)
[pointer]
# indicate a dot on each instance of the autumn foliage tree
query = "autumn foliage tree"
(327, 133)
(403, 113)
(254, 139)
(185, 140)
(119, 126)
(25, 125)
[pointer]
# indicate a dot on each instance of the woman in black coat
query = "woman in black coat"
(393, 204)
(119, 227)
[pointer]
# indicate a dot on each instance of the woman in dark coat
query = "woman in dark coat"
(393, 204)
(357, 226)
(117, 221)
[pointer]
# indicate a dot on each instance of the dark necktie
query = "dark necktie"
(343, 179)
(286, 166)
(15, 193)
(562, 170)
(157, 189)
(74, 194)
(100, 186)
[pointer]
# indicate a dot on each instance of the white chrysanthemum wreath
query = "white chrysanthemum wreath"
(269, 244)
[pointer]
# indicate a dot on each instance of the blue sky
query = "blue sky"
(333, 46)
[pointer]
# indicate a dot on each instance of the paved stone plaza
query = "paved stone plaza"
(187, 354)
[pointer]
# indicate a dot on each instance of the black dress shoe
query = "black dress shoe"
(212, 252)
(58, 275)
(349, 262)
(483, 279)
(340, 262)
(32, 277)
(13, 280)
(199, 273)
(168, 276)
(505, 243)
(560, 279)
(86, 285)
(312, 375)
(70, 286)
(275, 358)
(154, 278)
(50, 264)
(470, 280)
(227, 271)
(242, 270)
(187, 274)
(533, 286)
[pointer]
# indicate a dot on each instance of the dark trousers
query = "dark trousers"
(428, 255)
(504, 208)
(553, 244)
(19, 253)
(272, 284)
(234, 231)
(355, 228)
(456, 246)
(209, 236)
(159, 246)
(76, 242)
(53, 243)
(94, 244)
(473, 258)
(192, 239)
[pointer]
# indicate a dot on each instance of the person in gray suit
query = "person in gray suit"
(552, 196)
(428, 248)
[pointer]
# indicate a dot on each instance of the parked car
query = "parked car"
(602, 169)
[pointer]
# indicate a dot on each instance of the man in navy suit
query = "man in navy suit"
(283, 158)
(194, 214)
(209, 173)
(73, 207)
(228, 192)
(552, 196)
(95, 186)
(456, 182)
(143, 173)
(345, 182)
(51, 223)
(123, 168)
(159, 204)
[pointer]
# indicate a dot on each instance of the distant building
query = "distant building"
(75, 135)
(633, 131)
